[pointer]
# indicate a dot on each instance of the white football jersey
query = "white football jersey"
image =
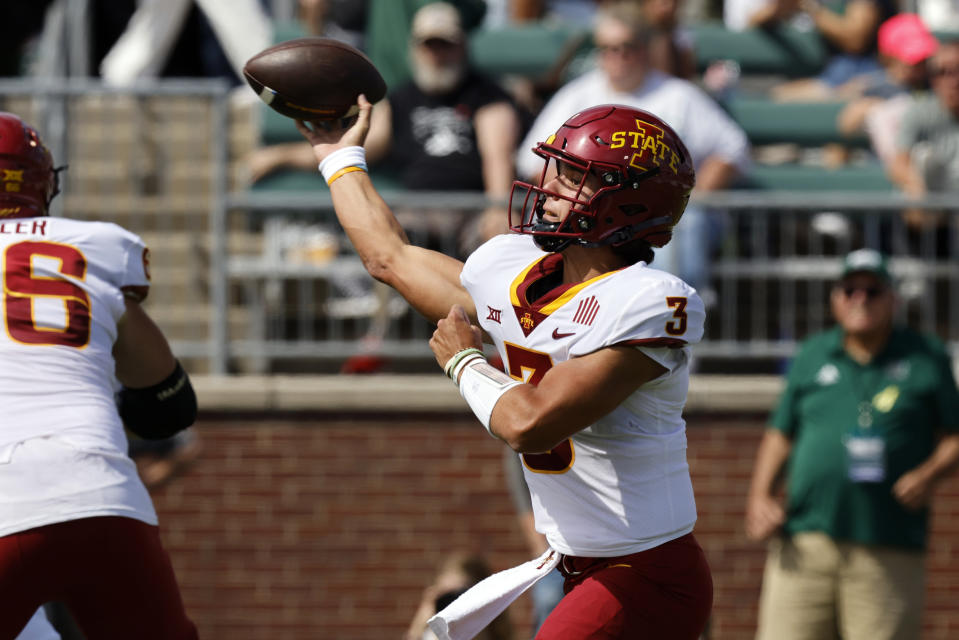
(64, 283)
(622, 484)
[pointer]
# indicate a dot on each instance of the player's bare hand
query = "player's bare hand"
(764, 516)
(453, 334)
(326, 136)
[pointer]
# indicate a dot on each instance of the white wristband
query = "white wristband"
(462, 364)
(345, 158)
(457, 358)
(482, 385)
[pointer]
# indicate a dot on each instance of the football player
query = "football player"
(76, 523)
(595, 346)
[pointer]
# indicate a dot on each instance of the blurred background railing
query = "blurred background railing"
(264, 282)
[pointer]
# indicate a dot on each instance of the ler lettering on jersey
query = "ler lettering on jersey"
(24, 227)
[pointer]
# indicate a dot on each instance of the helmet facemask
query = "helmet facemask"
(587, 222)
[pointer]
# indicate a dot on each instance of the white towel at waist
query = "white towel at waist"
(480, 604)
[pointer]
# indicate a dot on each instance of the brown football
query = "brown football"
(313, 78)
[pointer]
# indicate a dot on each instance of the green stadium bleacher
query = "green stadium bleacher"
(532, 50)
(807, 124)
(781, 50)
(798, 177)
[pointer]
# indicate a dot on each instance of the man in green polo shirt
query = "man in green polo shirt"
(868, 424)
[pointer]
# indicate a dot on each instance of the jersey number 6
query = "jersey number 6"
(23, 288)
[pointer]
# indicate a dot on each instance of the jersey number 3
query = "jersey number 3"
(22, 289)
(522, 361)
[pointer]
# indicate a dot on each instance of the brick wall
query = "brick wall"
(310, 526)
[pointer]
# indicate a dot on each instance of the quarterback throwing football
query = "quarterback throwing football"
(595, 348)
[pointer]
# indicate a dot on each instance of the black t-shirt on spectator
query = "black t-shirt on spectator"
(434, 140)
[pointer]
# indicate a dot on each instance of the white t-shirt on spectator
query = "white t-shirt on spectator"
(703, 126)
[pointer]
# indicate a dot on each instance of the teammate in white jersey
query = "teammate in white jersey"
(595, 345)
(76, 524)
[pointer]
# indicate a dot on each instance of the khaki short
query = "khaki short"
(818, 589)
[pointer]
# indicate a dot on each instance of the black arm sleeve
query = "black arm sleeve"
(159, 411)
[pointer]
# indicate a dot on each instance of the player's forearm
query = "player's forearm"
(368, 222)
(523, 429)
(528, 425)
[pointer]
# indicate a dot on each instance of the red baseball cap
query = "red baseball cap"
(906, 38)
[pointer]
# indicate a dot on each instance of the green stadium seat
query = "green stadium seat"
(808, 124)
(276, 128)
(781, 50)
(288, 30)
(796, 177)
(526, 50)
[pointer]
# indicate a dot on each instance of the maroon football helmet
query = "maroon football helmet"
(28, 181)
(645, 172)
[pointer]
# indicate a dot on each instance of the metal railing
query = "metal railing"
(770, 281)
(255, 281)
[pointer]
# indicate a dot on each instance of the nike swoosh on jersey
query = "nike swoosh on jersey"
(557, 335)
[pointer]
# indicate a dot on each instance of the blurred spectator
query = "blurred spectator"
(547, 592)
(458, 573)
(905, 44)
(343, 20)
(927, 148)
(450, 128)
(848, 29)
(670, 45)
(856, 434)
(719, 149)
(172, 38)
(926, 158)
(388, 28)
